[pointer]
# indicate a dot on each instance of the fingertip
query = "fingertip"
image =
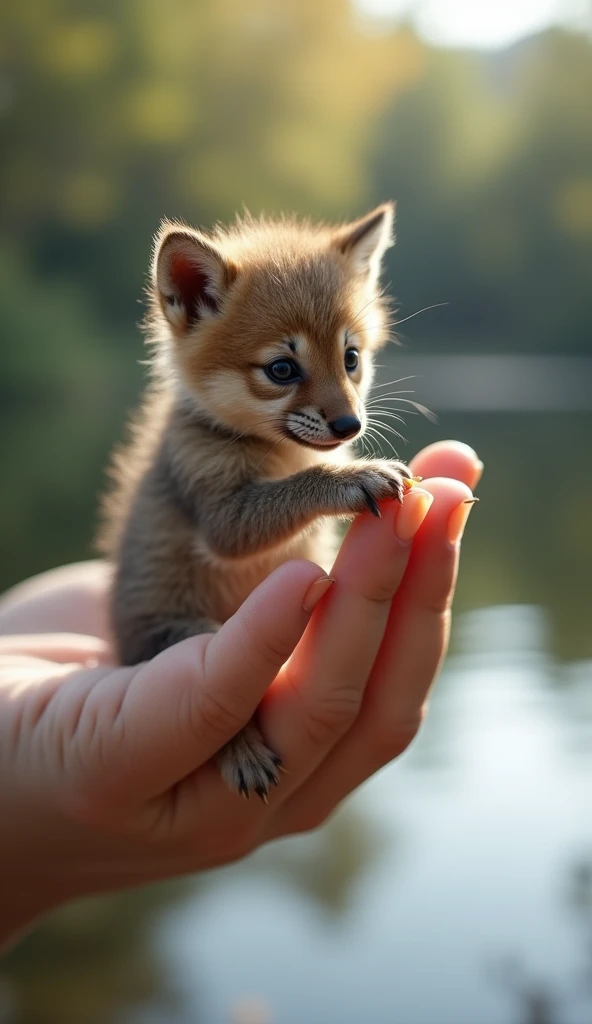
(457, 521)
(447, 490)
(289, 582)
(449, 458)
(448, 497)
(410, 516)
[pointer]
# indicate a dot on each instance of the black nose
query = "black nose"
(345, 426)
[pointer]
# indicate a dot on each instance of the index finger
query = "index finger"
(414, 644)
(319, 694)
(451, 459)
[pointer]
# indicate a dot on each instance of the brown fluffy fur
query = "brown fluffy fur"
(229, 473)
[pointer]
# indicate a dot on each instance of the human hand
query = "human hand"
(105, 772)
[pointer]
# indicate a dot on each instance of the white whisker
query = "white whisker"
(398, 380)
(375, 441)
(269, 453)
(389, 414)
(417, 312)
(379, 433)
(386, 426)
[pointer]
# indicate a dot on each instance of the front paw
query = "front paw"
(247, 765)
(364, 484)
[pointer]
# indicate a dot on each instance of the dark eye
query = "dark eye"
(283, 371)
(352, 359)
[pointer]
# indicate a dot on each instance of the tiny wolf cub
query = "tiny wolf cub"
(263, 339)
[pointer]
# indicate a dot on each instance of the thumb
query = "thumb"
(183, 706)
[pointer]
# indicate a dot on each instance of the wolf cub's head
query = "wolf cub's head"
(270, 327)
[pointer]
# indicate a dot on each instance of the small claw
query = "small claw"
(242, 786)
(271, 776)
(471, 501)
(262, 794)
(278, 763)
(371, 503)
(399, 489)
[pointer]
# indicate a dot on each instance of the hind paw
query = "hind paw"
(248, 765)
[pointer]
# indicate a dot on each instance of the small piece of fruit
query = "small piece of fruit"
(408, 484)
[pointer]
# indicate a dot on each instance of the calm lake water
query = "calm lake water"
(456, 887)
(462, 899)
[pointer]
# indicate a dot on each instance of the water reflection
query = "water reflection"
(467, 867)
(553, 1001)
(528, 540)
(90, 962)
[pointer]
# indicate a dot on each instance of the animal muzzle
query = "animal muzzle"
(345, 427)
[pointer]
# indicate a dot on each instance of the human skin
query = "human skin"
(105, 772)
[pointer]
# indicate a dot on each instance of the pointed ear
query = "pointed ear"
(190, 276)
(366, 240)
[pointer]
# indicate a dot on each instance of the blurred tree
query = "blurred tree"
(490, 158)
(61, 403)
(94, 961)
(116, 114)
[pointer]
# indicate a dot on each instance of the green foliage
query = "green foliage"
(490, 158)
(62, 393)
(119, 114)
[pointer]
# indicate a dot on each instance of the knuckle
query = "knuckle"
(227, 847)
(327, 721)
(381, 595)
(311, 816)
(391, 742)
(271, 650)
(311, 821)
(259, 647)
(216, 714)
(239, 846)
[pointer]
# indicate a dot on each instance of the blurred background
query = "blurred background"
(456, 888)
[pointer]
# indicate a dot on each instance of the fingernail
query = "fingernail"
(410, 516)
(458, 520)
(315, 592)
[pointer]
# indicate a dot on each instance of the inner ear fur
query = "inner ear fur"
(366, 240)
(190, 276)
